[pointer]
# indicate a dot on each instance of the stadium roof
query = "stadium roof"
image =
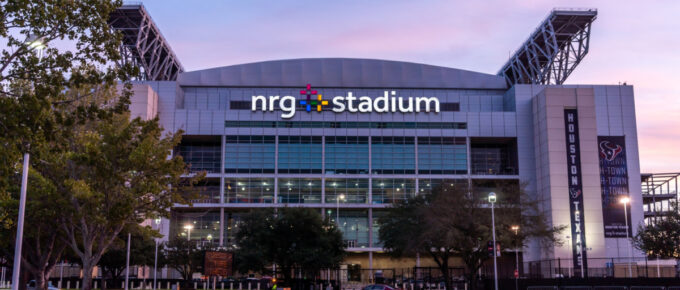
(341, 72)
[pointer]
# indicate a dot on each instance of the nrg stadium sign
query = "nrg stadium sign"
(387, 103)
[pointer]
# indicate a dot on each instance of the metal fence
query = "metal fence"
(602, 268)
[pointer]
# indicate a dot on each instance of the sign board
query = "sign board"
(614, 185)
(575, 191)
(218, 264)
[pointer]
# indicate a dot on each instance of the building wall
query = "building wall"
(202, 111)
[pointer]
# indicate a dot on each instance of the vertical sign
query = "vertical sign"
(614, 184)
(578, 240)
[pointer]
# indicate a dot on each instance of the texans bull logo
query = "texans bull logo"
(609, 150)
(574, 192)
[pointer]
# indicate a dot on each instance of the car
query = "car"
(31, 286)
(379, 287)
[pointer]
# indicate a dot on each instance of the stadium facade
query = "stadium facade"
(350, 137)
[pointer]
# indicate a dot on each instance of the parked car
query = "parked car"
(31, 286)
(380, 287)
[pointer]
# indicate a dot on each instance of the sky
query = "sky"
(637, 42)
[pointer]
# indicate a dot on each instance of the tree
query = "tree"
(42, 246)
(183, 256)
(454, 222)
(35, 87)
(292, 238)
(661, 238)
(118, 173)
(142, 250)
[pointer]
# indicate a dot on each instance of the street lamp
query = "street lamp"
(189, 227)
(155, 259)
(516, 229)
(625, 201)
(34, 43)
(337, 208)
(492, 201)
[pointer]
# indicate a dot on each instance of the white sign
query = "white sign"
(389, 102)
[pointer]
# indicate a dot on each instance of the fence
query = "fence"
(636, 267)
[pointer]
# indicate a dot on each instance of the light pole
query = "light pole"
(188, 228)
(625, 201)
(127, 264)
(516, 229)
(337, 208)
(492, 201)
(155, 259)
(34, 43)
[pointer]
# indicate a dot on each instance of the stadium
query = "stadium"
(350, 137)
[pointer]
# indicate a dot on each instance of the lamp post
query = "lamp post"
(516, 229)
(127, 264)
(337, 208)
(34, 43)
(492, 201)
(625, 201)
(188, 227)
(155, 259)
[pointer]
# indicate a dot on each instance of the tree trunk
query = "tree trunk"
(41, 278)
(445, 272)
(87, 275)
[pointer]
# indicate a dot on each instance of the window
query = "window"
(393, 155)
(493, 156)
(354, 226)
(346, 155)
(427, 186)
(392, 190)
(299, 190)
(300, 154)
(442, 155)
(201, 155)
(206, 192)
(249, 190)
(359, 125)
(232, 221)
(353, 190)
(200, 226)
(249, 154)
(240, 105)
(450, 107)
(377, 214)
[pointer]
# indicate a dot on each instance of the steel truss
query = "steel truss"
(143, 44)
(553, 50)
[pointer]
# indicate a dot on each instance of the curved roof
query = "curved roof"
(341, 72)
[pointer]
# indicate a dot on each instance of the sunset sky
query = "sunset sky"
(637, 42)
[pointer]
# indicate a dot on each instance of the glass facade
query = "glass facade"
(346, 190)
(354, 226)
(393, 155)
(201, 155)
(249, 190)
(360, 175)
(300, 154)
(346, 155)
(201, 226)
(392, 190)
(249, 154)
(442, 155)
(299, 190)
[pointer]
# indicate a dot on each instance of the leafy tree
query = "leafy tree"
(42, 247)
(142, 250)
(117, 173)
(290, 238)
(453, 222)
(661, 238)
(184, 256)
(36, 108)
